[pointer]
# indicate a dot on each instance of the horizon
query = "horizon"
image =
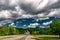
(28, 13)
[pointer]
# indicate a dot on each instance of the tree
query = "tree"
(12, 30)
(55, 26)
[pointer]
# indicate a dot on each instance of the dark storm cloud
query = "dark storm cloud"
(4, 7)
(56, 5)
(40, 9)
(28, 8)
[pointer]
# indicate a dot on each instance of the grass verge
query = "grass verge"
(46, 37)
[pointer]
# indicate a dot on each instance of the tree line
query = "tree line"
(54, 29)
(6, 30)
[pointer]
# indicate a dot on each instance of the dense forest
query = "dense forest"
(54, 29)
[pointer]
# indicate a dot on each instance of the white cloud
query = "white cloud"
(54, 12)
(26, 16)
(42, 26)
(0, 24)
(13, 2)
(24, 25)
(12, 24)
(37, 20)
(43, 4)
(5, 14)
(33, 25)
(36, 5)
(43, 18)
(54, 1)
(41, 15)
(39, 9)
(47, 23)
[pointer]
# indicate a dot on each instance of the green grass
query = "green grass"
(46, 37)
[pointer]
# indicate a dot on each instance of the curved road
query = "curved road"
(17, 37)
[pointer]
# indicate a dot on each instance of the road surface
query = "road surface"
(27, 37)
(17, 37)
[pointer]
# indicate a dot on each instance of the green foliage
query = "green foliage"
(4, 30)
(21, 30)
(55, 26)
(46, 37)
(54, 29)
(39, 31)
(11, 31)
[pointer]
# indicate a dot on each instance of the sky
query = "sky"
(28, 13)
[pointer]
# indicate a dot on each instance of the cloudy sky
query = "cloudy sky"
(28, 13)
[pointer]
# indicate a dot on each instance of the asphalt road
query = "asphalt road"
(27, 37)
(17, 37)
